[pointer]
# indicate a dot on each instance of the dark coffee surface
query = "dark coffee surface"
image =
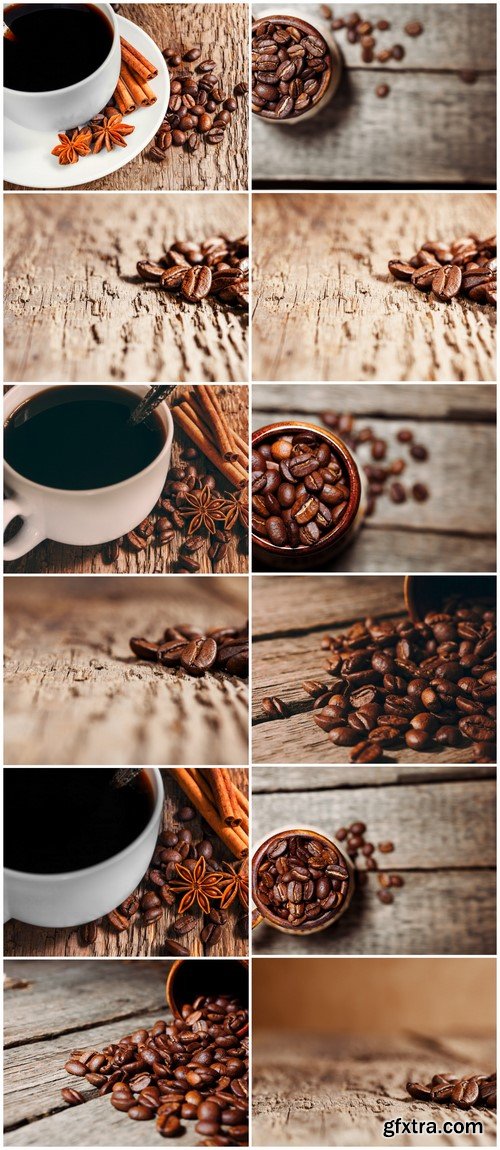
(54, 45)
(70, 818)
(78, 438)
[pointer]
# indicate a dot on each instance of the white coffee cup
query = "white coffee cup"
(81, 518)
(70, 899)
(65, 108)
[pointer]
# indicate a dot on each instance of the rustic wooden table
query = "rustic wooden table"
(322, 288)
(432, 129)
(222, 32)
(140, 941)
(57, 558)
(442, 823)
(338, 1090)
(76, 310)
(75, 694)
(457, 425)
(66, 1005)
(290, 616)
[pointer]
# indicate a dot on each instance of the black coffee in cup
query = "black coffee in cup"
(65, 819)
(79, 438)
(52, 46)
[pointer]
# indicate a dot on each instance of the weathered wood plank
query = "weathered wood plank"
(99, 1125)
(75, 309)
(377, 549)
(140, 940)
(337, 1090)
(266, 780)
(282, 604)
(422, 403)
(222, 32)
(334, 310)
(75, 695)
(56, 558)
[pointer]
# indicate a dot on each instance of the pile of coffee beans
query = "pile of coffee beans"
(420, 685)
(197, 652)
(301, 881)
(176, 845)
(465, 267)
(199, 110)
(291, 68)
(472, 1090)
(192, 1068)
(359, 848)
(170, 516)
(300, 491)
(382, 473)
(216, 267)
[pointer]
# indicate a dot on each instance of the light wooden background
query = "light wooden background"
(222, 32)
(290, 616)
(66, 1005)
(141, 940)
(76, 310)
(75, 694)
(338, 1090)
(442, 823)
(326, 307)
(457, 425)
(431, 129)
(58, 558)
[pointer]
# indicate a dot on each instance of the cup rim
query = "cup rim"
(331, 916)
(111, 14)
(340, 529)
(71, 492)
(84, 872)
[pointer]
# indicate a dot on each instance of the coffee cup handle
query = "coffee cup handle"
(29, 534)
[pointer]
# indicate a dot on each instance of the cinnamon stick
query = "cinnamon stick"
(132, 84)
(198, 416)
(211, 405)
(135, 60)
(123, 98)
(191, 786)
(224, 801)
(239, 443)
(193, 431)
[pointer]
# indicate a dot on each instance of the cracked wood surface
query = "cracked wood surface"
(432, 128)
(74, 693)
(338, 1090)
(221, 30)
(322, 287)
(141, 940)
(447, 904)
(290, 616)
(58, 558)
(68, 1005)
(457, 425)
(76, 310)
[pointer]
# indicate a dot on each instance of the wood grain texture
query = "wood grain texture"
(57, 558)
(290, 616)
(68, 1005)
(343, 143)
(222, 32)
(141, 940)
(268, 779)
(444, 838)
(75, 309)
(443, 534)
(75, 694)
(338, 1090)
(322, 287)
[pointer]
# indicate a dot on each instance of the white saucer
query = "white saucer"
(27, 154)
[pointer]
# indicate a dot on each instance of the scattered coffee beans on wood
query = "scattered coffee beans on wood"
(193, 651)
(465, 267)
(291, 67)
(299, 490)
(381, 471)
(360, 849)
(190, 1069)
(364, 32)
(199, 110)
(218, 266)
(474, 1090)
(301, 880)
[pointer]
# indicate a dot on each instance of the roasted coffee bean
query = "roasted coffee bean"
(414, 28)
(385, 896)
(196, 283)
(87, 933)
(73, 1097)
(382, 90)
(274, 707)
(185, 924)
(458, 267)
(174, 947)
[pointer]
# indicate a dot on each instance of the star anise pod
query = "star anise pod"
(196, 885)
(236, 508)
(73, 145)
(110, 132)
(203, 509)
(234, 884)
